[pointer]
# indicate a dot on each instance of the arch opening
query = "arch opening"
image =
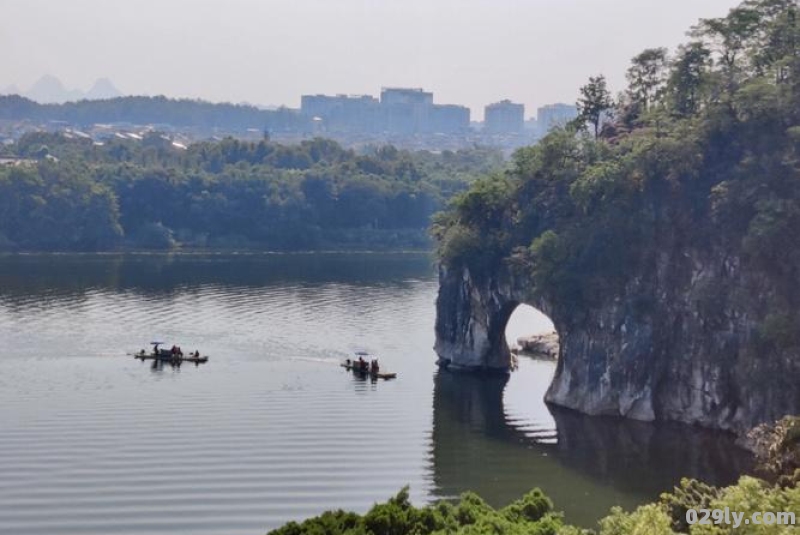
(533, 343)
(529, 331)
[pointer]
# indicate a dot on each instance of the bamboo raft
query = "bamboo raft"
(172, 359)
(367, 372)
(166, 356)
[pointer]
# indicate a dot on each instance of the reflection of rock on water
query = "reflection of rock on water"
(544, 346)
(595, 464)
(470, 400)
(644, 456)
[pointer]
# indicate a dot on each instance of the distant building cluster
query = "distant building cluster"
(405, 117)
(399, 111)
(409, 117)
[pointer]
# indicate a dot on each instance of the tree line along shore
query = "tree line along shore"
(66, 193)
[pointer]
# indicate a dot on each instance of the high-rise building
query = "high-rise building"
(449, 119)
(406, 111)
(504, 117)
(359, 113)
(402, 95)
(555, 115)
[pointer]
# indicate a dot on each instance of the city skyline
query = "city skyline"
(50, 90)
(472, 52)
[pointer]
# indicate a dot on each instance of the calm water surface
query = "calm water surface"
(272, 429)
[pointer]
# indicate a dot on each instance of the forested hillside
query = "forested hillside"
(72, 194)
(660, 233)
(705, 142)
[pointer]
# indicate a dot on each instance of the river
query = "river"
(272, 428)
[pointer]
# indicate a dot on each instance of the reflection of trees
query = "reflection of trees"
(44, 280)
(597, 462)
(39, 278)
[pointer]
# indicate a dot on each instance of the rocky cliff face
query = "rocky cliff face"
(684, 341)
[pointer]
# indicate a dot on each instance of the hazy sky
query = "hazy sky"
(470, 52)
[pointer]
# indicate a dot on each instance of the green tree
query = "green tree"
(775, 45)
(728, 38)
(646, 76)
(594, 102)
(688, 78)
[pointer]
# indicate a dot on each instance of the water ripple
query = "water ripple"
(271, 429)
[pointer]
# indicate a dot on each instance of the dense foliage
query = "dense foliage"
(70, 193)
(530, 515)
(533, 515)
(702, 148)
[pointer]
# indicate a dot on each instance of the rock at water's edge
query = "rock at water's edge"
(677, 345)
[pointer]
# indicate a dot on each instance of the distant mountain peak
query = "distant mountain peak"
(50, 90)
(103, 88)
(48, 82)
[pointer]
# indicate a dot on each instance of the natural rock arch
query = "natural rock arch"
(472, 313)
(657, 351)
(471, 319)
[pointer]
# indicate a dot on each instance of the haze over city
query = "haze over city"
(469, 52)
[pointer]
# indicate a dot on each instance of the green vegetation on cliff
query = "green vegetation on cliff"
(533, 515)
(71, 194)
(701, 152)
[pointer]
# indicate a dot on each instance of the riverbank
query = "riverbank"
(362, 240)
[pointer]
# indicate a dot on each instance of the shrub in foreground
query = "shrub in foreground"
(533, 515)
